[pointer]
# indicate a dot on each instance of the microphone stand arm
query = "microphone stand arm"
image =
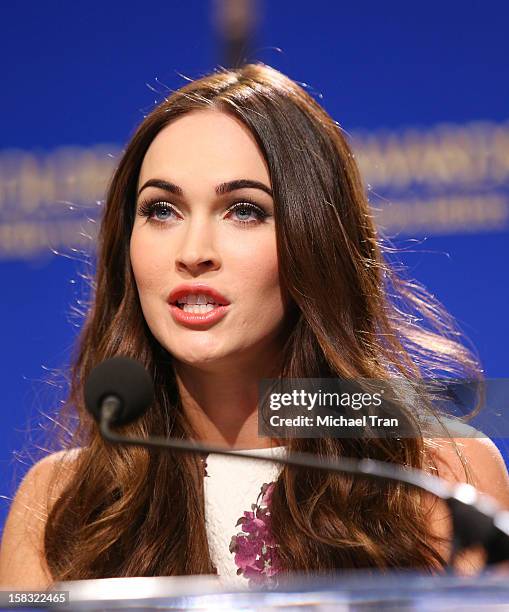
(476, 520)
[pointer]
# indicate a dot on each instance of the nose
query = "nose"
(197, 253)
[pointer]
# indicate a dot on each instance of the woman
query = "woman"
(240, 188)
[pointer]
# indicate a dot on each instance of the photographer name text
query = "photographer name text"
(330, 421)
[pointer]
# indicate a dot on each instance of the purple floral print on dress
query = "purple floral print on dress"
(255, 549)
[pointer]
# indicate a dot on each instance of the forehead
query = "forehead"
(207, 143)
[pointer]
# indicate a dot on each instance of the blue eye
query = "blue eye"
(147, 209)
(250, 208)
(159, 211)
(162, 212)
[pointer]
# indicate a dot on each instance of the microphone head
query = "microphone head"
(124, 378)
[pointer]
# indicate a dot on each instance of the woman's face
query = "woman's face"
(195, 235)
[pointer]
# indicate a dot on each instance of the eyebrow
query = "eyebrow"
(220, 189)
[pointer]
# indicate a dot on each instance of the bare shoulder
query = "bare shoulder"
(22, 550)
(468, 447)
(464, 455)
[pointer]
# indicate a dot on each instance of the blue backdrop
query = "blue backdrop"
(422, 88)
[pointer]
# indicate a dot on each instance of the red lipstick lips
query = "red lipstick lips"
(197, 320)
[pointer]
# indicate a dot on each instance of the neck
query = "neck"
(222, 403)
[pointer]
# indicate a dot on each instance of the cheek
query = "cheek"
(144, 262)
(148, 274)
(259, 271)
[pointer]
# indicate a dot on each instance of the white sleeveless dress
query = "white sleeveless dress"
(232, 487)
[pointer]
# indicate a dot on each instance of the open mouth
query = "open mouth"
(197, 316)
(196, 308)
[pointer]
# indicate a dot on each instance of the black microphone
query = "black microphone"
(119, 390)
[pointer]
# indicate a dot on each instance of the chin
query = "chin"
(203, 358)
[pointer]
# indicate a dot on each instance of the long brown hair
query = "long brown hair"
(128, 512)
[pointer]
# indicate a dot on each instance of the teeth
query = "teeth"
(198, 309)
(193, 298)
